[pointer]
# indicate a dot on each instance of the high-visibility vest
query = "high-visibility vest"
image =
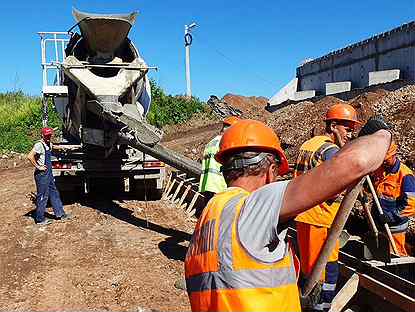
(222, 276)
(211, 179)
(311, 156)
(398, 204)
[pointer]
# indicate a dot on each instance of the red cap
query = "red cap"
(46, 132)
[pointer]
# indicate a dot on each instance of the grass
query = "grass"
(21, 121)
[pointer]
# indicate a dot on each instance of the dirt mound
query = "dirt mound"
(298, 122)
(252, 107)
(398, 108)
(245, 103)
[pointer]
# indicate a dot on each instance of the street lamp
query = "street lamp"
(187, 42)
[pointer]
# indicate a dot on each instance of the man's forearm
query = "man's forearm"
(368, 152)
(32, 161)
(351, 163)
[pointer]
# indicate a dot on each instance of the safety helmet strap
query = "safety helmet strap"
(240, 163)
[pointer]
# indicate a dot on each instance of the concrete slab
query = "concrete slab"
(383, 76)
(338, 87)
(303, 95)
(285, 93)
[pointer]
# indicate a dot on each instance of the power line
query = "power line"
(210, 47)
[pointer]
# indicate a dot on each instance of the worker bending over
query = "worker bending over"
(238, 258)
(313, 225)
(394, 183)
(211, 180)
(40, 158)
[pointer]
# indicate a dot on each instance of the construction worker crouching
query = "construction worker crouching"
(211, 180)
(313, 225)
(238, 259)
(395, 187)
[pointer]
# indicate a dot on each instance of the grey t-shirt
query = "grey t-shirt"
(258, 220)
(40, 148)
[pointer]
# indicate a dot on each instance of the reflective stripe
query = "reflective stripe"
(244, 279)
(311, 156)
(225, 233)
(329, 287)
(410, 194)
(322, 306)
(212, 170)
(387, 198)
(399, 228)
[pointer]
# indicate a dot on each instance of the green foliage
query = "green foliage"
(21, 121)
(168, 109)
(21, 116)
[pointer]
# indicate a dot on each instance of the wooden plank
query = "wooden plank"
(192, 203)
(345, 294)
(170, 188)
(177, 191)
(395, 297)
(186, 191)
(373, 269)
(167, 184)
(387, 293)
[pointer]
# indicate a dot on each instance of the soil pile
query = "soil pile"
(299, 122)
(252, 107)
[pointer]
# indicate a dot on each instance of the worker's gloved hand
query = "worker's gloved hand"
(383, 218)
(373, 125)
(364, 199)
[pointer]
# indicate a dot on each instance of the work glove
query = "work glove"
(373, 125)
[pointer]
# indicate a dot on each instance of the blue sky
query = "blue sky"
(241, 47)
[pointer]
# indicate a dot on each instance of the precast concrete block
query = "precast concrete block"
(285, 93)
(383, 76)
(338, 87)
(303, 95)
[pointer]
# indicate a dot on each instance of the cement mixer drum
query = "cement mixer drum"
(107, 82)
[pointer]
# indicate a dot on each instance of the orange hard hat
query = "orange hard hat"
(251, 135)
(393, 149)
(342, 112)
(229, 121)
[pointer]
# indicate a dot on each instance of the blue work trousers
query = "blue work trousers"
(46, 189)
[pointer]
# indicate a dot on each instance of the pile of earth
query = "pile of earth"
(252, 107)
(298, 122)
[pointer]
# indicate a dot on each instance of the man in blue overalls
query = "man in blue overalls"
(40, 157)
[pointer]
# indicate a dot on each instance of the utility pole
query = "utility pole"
(187, 43)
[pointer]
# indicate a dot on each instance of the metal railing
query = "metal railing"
(52, 45)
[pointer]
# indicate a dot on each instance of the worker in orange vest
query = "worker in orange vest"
(395, 186)
(238, 258)
(313, 225)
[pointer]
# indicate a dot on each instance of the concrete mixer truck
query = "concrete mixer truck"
(98, 83)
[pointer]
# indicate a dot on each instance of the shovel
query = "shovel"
(334, 233)
(367, 209)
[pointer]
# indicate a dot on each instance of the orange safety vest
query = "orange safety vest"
(397, 204)
(222, 276)
(311, 156)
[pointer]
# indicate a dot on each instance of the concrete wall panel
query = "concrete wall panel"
(394, 49)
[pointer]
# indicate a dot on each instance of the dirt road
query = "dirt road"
(119, 255)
